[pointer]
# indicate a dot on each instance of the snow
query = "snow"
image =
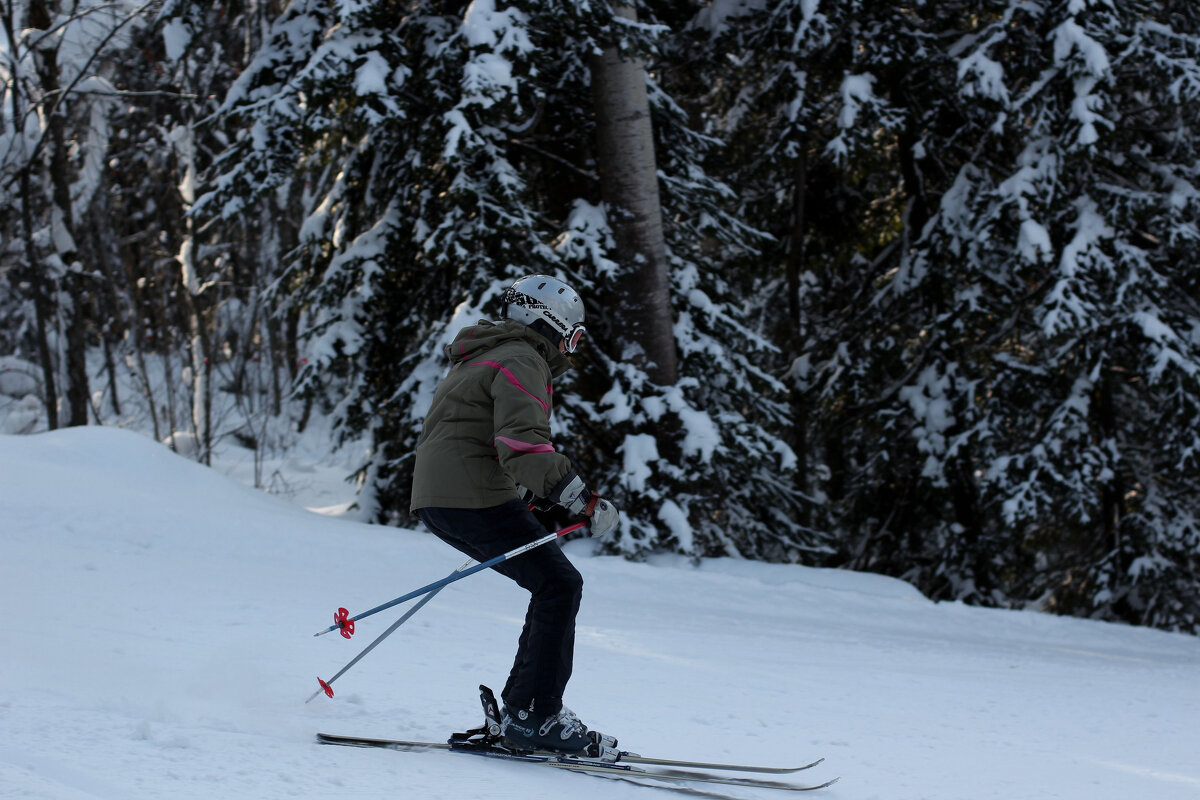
(488, 76)
(1083, 109)
(586, 238)
(176, 37)
(95, 146)
(1070, 38)
(931, 406)
(89, 27)
(485, 27)
(1154, 329)
(157, 642)
(1033, 242)
(978, 74)
(1066, 306)
(856, 90)
(18, 377)
(676, 519)
(371, 77)
(459, 129)
(718, 14)
(702, 436)
(617, 405)
(639, 451)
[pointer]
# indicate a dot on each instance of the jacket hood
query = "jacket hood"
(486, 335)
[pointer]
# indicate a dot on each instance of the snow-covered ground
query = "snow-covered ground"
(156, 642)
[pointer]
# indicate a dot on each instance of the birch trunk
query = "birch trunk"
(197, 304)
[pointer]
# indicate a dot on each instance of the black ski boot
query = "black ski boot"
(562, 732)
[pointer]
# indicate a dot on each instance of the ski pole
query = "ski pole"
(326, 686)
(344, 622)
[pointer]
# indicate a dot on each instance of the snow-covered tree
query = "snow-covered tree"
(1069, 262)
(234, 331)
(799, 95)
(985, 210)
(56, 99)
(450, 149)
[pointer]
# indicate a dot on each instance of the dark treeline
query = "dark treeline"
(908, 288)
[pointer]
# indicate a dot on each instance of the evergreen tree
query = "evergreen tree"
(464, 157)
(800, 95)
(706, 469)
(55, 104)
(236, 320)
(1091, 385)
(984, 293)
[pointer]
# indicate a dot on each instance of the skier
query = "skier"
(484, 454)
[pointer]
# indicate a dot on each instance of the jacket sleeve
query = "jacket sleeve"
(522, 402)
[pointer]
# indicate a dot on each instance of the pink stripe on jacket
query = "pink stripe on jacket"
(513, 380)
(525, 447)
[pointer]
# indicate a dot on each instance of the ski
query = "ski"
(646, 768)
(623, 756)
(634, 758)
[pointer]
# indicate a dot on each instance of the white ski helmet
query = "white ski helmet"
(546, 303)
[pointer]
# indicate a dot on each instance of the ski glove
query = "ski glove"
(571, 494)
(604, 517)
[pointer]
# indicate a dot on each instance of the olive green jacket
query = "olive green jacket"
(488, 428)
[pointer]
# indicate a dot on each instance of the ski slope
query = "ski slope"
(156, 641)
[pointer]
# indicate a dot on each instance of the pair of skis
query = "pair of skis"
(627, 765)
(604, 761)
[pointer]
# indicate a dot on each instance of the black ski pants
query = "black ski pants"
(545, 651)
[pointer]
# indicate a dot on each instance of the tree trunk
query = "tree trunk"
(100, 242)
(42, 305)
(1112, 491)
(198, 303)
(63, 229)
(797, 255)
(629, 186)
(796, 264)
(30, 272)
(201, 361)
(79, 395)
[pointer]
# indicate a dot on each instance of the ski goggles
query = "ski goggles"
(574, 337)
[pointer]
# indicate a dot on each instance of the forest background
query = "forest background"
(907, 287)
